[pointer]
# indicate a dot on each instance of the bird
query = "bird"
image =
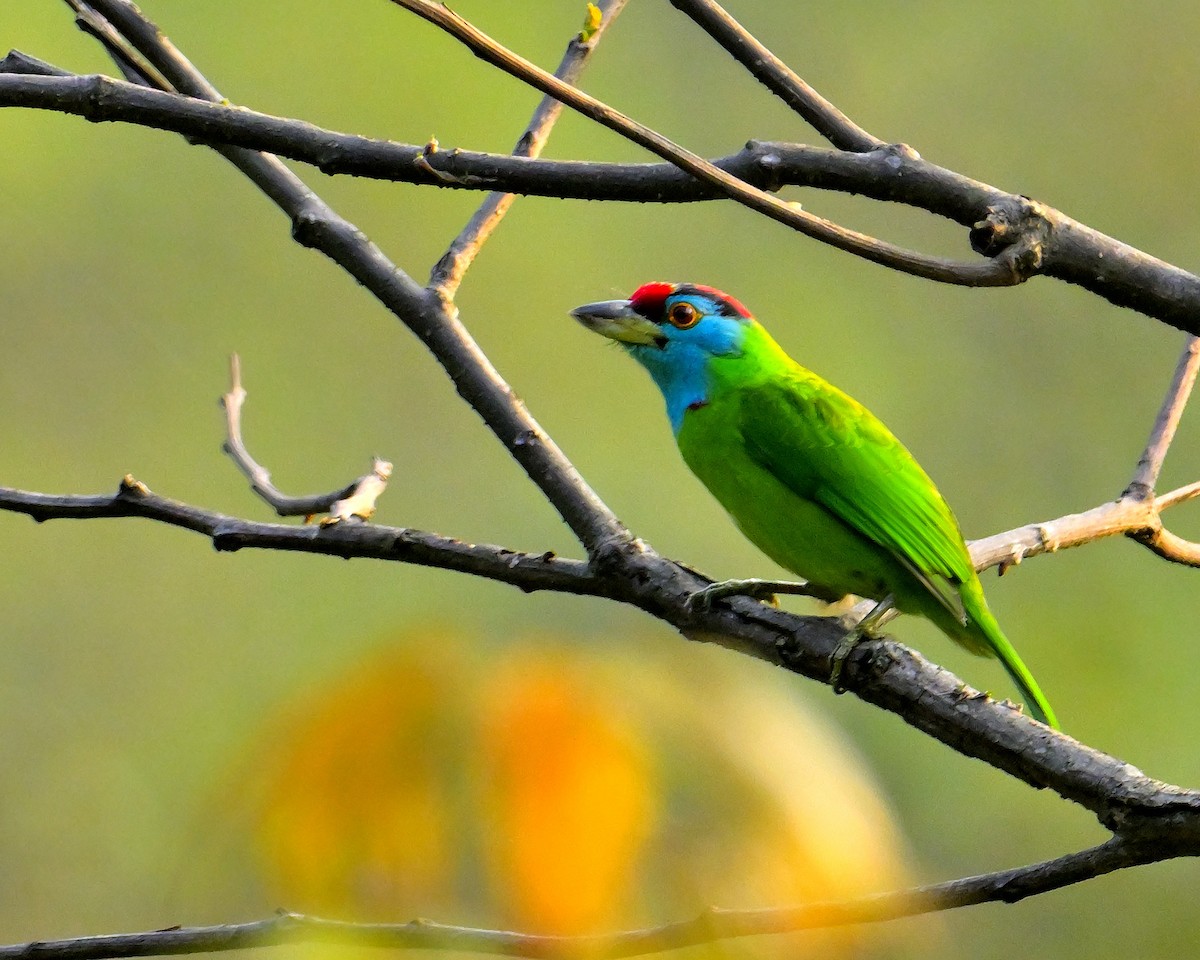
(808, 474)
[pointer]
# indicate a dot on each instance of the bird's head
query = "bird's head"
(667, 323)
(677, 332)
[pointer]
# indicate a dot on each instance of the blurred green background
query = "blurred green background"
(138, 668)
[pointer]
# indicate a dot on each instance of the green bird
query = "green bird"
(809, 474)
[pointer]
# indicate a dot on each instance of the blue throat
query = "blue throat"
(681, 372)
(682, 368)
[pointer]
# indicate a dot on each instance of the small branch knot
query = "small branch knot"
(131, 487)
(1015, 221)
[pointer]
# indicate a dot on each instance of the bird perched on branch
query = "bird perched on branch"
(810, 475)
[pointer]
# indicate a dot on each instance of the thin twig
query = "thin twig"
(1145, 476)
(1009, 267)
(777, 76)
(711, 926)
(260, 478)
(1009, 548)
(447, 274)
(134, 67)
(1139, 520)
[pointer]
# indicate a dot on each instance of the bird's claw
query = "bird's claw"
(843, 650)
(702, 600)
(867, 627)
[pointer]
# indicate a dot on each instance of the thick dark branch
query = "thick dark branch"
(882, 672)
(766, 165)
(1069, 250)
(1005, 886)
(1006, 268)
(528, 571)
(778, 77)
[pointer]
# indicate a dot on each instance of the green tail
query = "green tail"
(996, 641)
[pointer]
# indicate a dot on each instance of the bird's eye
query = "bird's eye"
(683, 315)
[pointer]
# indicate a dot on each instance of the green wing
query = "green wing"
(829, 449)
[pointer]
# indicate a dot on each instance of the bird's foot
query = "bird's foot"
(878, 615)
(702, 600)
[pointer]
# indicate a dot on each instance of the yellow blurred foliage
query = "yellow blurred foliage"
(554, 788)
(570, 793)
(356, 815)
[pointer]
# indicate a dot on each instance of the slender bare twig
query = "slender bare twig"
(1145, 476)
(777, 76)
(1126, 516)
(448, 273)
(1004, 886)
(134, 67)
(260, 477)
(1011, 265)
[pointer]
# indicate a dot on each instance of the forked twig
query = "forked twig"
(1137, 513)
(355, 499)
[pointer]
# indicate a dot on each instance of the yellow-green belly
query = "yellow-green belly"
(798, 534)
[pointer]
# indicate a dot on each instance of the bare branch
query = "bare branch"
(1009, 548)
(778, 77)
(448, 273)
(528, 571)
(1010, 265)
(1145, 477)
(1005, 886)
(1180, 495)
(1070, 251)
(1137, 519)
(134, 67)
(1169, 546)
(882, 672)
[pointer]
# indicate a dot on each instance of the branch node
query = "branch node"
(131, 488)
(1048, 537)
(899, 152)
(1021, 225)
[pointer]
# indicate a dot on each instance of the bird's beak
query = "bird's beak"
(617, 320)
